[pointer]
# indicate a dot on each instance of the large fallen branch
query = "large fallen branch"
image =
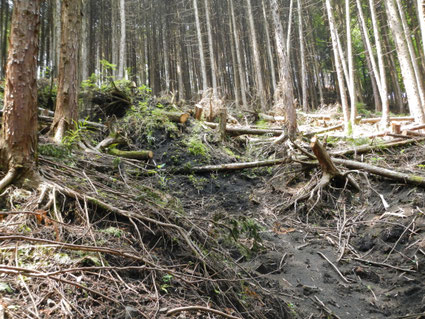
(233, 166)
(140, 155)
(271, 118)
(401, 177)
(392, 119)
(324, 130)
(369, 148)
(235, 131)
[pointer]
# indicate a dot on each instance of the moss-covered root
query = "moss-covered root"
(140, 155)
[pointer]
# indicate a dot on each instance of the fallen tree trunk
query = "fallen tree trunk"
(234, 166)
(177, 117)
(401, 177)
(324, 130)
(110, 140)
(271, 118)
(139, 155)
(235, 131)
(412, 133)
(49, 120)
(392, 119)
(369, 148)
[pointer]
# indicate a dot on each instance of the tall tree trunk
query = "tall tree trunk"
(269, 47)
(288, 36)
(19, 130)
(421, 18)
(352, 85)
(412, 53)
(122, 55)
(85, 41)
(302, 57)
(241, 70)
(66, 112)
(339, 68)
(235, 65)
(166, 55)
(284, 95)
(382, 72)
(4, 39)
(201, 46)
(407, 71)
(256, 54)
(211, 49)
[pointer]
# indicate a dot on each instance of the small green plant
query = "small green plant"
(198, 183)
(248, 228)
(196, 147)
(262, 124)
(74, 136)
(116, 232)
(359, 141)
(166, 283)
(53, 150)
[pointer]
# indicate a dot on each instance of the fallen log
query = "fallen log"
(235, 131)
(110, 140)
(374, 120)
(413, 128)
(369, 148)
(412, 133)
(271, 118)
(233, 166)
(324, 130)
(139, 155)
(177, 117)
(401, 177)
(316, 116)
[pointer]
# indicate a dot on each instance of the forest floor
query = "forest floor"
(117, 238)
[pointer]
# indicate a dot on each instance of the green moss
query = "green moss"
(54, 150)
(196, 147)
(417, 179)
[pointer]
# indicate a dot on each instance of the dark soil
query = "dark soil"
(380, 252)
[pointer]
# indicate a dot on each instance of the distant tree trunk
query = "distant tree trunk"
(382, 72)
(421, 18)
(242, 78)
(407, 70)
(235, 66)
(85, 41)
(412, 53)
(211, 49)
(56, 36)
(19, 130)
(284, 95)
(66, 112)
(352, 83)
(302, 57)
(256, 55)
(201, 47)
(269, 47)
(339, 68)
(122, 56)
(166, 55)
(288, 37)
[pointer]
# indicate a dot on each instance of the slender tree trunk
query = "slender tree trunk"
(284, 95)
(85, 41)
(382, 72)
(66, 112)
(211, 49)
(269, 47)
(201, 46)
(412, 53)
(339, 68)
(235, 65)
(122, 52)
(352, 85)
(302, 57)
(256, 54)
(408, 73)
(238, 56)
(19, 130)
(421, 18)
(288, 37)
(166, 56)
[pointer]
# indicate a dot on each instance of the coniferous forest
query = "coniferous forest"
(212, 159)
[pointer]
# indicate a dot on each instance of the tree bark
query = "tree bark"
(122, 54)
(201, 47)
(302, 57)
(339, 68)
(211, 49)
(256, 55)
(284, 95)
(67, 99)
(238, 56)
(19, 131)
(407, 71)
(269, 47)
